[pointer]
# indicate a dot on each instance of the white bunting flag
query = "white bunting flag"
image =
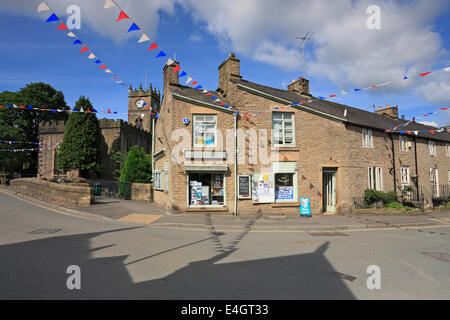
(416, 132)
(343, 92)
(108, 71)
(91, 56)
(188, 80)
(142, 115)
(205, 91)
(109, 4)
(169, 62)
(447, 69)
(15, 106)
(81, 109)
(143, 38)
(43, 7)
(71, 34)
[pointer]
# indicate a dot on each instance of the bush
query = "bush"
(372, 197)
(397, 205)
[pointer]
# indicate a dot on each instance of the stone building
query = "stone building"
(117, 135)
(287, 149)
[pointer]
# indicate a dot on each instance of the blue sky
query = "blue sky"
(343, 53)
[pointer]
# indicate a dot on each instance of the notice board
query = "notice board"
(263, 188)
(244, 187)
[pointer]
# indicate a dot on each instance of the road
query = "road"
(131, 261)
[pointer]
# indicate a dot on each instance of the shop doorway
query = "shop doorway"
(329, 190)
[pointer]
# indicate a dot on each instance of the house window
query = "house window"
(447, 150)
(434, 182)
(449, 178)
(283, 130)
(367, 138)
(157, 180)
(432, 147)
(403, 143)
(404, 176)
(166, 175)
(206, 189)
(375, 178)
(205, 130)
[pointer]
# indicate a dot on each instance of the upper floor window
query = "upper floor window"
(283, 129)
(367, 138)
(403, 143)
(205, 130)
(432, 147)
(447, 149)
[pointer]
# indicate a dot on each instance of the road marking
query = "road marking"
(141, 218)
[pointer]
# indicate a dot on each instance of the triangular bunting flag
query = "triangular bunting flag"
(183, 74)
(62, 27)
(108, 71)
(160, 54)
(424, 74)
(143, 38)
(176, 68)
(77, 41)
(109, 111)
(405, 77)
(98, 61)
(71, 34)
(122, 15)
(153, 46)
(53, 17)
(102, 66)
(91, 56)
(416, 132)
(194, 83)
(133, 27)
(81, 109)
(43, 7)
(109, 4)
(198, 87)
(343, 92)
(169, 62)
(188, 80)
(84, 49)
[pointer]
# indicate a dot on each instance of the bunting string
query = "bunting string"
(92, 56)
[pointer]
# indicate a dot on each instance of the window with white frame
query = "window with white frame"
(432, 147)
(205, 130)
(447, 149)
(403, 143)
(434, 182)
(283, 129)
(375, 178)
(157, 180)
(285, 174)
(166, 175)
(367, 138)
(404, 174)
(449, 177)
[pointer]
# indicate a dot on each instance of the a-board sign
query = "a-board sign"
(305, 207)
(244, 187)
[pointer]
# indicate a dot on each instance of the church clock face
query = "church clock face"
(139, 103)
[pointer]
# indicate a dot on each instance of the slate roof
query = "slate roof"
(354, 115)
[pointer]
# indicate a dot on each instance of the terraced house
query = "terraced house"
(209, 158)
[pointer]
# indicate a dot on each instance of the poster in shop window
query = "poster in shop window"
(263, 189)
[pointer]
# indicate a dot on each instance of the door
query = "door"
(329, 190)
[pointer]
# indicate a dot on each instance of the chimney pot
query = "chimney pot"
(380, 108)
(388, 106)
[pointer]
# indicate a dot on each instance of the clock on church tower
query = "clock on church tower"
(142, 102)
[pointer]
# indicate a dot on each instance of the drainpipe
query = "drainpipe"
(393, 161)
(235, 165)
(153, 147)
(417, 169)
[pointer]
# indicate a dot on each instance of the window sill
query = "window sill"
(285, 148)
(285, 204)
(207, 209)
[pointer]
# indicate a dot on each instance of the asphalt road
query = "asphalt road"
(129, 261)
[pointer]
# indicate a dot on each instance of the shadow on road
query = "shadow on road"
(37, 270)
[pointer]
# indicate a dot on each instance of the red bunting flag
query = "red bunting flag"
(122, 15)
(194, 83)
(63, 27)
(176, 68)
(424, 74)
(408, 132)
(84, 49)
(333, 95)
(109, 111)
(153, 46)
(444, 108)
(432, 131)
(103, 66)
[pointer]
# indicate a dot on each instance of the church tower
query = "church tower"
(142, 102)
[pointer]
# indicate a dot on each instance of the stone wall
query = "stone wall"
(67, 195)
(142, 191)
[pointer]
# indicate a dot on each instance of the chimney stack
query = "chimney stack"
(229, 70)
(389, 111)
(300, 86)
(169, 75)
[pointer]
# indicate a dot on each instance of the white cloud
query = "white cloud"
(430, 123)
(195, 38)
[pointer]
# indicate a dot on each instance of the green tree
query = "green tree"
(23, 124)
(80, 148)
(119, 159)
(137, 167)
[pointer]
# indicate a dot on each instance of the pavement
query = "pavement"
(141, 212)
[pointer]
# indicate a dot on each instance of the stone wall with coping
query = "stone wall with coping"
(142, 191)
(67, 195)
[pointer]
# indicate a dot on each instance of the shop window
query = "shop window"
(205, 130)
(206, 189)
(284, 186)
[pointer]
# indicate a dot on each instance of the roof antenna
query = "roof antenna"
(145, 85)
(303, 40)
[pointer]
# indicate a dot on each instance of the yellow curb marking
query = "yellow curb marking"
(141, 218)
